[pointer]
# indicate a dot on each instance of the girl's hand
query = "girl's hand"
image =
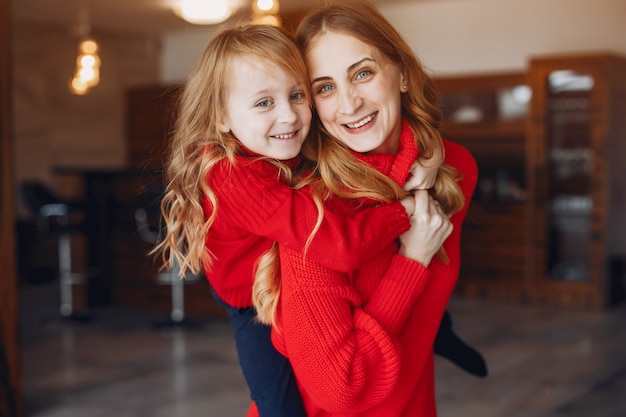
(430, 227)
(409, 204)
(423, 172)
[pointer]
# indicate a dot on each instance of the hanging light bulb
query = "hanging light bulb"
(87, 72)
(204, 12)
(88, 46)
(78, 86)
(265, 12)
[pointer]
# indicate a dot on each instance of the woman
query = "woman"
(362, 343)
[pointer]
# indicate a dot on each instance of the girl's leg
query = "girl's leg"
(268, 373)
(450, 346)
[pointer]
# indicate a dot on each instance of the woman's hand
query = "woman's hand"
(423, 172)
(430, 227)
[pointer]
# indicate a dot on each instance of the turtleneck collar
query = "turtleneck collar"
(247, 153)
(395, 166)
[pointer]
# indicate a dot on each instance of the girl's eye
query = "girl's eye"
(264, 103)
(297, 96)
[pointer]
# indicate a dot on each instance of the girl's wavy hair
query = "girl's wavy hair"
(340, 171)
(197, 143)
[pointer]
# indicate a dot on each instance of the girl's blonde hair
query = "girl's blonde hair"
(198, 144)
(340, 171)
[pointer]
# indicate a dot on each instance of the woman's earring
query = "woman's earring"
(405, 88)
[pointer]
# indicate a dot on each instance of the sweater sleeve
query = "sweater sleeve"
(394, 319)
(258, 202)
(343, 355)
(393, 299)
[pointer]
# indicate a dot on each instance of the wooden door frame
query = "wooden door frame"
(11, 403)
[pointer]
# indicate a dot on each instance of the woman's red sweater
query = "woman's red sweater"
(255, 208)
(361, 343)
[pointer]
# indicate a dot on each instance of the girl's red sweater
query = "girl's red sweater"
(361, 343)
(255, 208)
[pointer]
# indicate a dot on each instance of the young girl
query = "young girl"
(244, 117)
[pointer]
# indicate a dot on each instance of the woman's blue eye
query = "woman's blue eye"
(297, 96)
(325, 88)
(363, 74)
(264, 103)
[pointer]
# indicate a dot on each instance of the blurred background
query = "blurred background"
(534, 89)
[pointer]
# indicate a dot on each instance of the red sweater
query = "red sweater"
(255, 209)
(361, 343)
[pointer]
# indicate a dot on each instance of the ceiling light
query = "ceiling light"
(265, 6)
(265, 12)
(204, 12)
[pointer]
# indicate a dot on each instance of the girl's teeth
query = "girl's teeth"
(284, 136)
(361, 123)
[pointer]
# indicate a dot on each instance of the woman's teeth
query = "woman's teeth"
(361, 122)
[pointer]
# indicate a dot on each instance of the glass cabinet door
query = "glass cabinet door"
(576, 150)
(569, 171)
(488, 114)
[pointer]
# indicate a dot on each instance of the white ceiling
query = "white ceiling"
(135, 16)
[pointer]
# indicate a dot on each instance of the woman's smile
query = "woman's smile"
(363, 122)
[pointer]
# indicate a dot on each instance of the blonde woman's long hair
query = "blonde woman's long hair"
(340, 171)
(198, 144)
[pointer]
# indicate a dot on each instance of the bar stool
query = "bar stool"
(148, 220)
(63, 219)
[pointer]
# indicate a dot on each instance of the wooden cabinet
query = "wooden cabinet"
(548, 220)
(487, 114)
(577, 154)
(150, 116)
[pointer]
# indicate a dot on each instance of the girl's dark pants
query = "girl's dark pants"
(268, 374)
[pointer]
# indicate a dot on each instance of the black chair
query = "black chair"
(62, 219)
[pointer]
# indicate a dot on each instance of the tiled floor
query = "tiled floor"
(543, 363)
